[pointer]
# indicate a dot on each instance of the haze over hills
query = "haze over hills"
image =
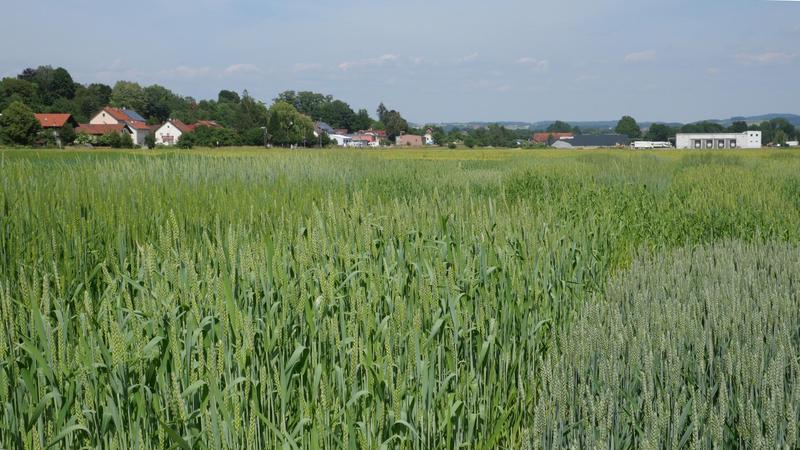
(794, 119)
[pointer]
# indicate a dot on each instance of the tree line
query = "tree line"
(289, 120)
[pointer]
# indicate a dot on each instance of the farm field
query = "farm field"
(422, 299)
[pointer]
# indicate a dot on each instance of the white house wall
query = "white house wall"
(103, 118)
(168, 129)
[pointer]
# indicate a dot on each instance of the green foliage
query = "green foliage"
(738, 127)
(628, 126)
(703, 127)
(226, 96)
(288, 127)
(67, 134)
(660, 133)
(125, 141)
(18, 125)
(150, 140)
(15, 90)
(325, 108)
(89, 100)
(128, 94)
(215, 137)
(559, 127)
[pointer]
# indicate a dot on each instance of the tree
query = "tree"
(337, 114)
(18, 125)
(288, 127)
(628, 126)
(559, 127)
(67, 134)
(12, 89)
(91, 99)
(62, 85)
(228, 97)
(128, 94)
(362, 120)
(469, 141)
(52, 83)
(702, 127)
(738, 127)
(659, 132)
(125, 140)
(159, 103)
(382, 111)
(780, 138)
(393, 121)
(150, 140)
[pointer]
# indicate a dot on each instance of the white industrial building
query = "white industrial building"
(701, 141)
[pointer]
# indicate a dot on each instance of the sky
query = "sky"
(434, 60)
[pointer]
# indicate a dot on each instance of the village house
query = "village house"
(101, 130)
(409, 140)
(549, 137)
(136, 124)
(171, 132)
(54, 123)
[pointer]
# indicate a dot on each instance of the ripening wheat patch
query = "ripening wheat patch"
(695, 349)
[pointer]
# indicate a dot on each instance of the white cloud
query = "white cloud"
(184, 72)
(368, 62)
(241, 69)
(713, 71)
(469, 58)
(307, 67)
(639, 57)
(540, 65)
(766, 58)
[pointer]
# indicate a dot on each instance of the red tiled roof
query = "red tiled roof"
(207, 123)
(99, 130)
(116, 113)
(138, 125)
(184, 128)
(52, 120)
(543, 137)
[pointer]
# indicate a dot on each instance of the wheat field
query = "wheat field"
(421, 299)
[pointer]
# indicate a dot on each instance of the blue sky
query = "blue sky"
(435, 60)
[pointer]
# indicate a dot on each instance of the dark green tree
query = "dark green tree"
(128, 94)
(18, 125)
(362, 120)
(337, 114)
(13, 89)
(89, 100)
(738, 127)
(382, 112)
(659, 132)
(628, 127)
(67, 135)
(559, 127)
(226, 96)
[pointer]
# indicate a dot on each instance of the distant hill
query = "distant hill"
(794, 119)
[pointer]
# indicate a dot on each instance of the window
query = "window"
(721, 143)
(698, 144)
(733, 144)
(710, 143)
